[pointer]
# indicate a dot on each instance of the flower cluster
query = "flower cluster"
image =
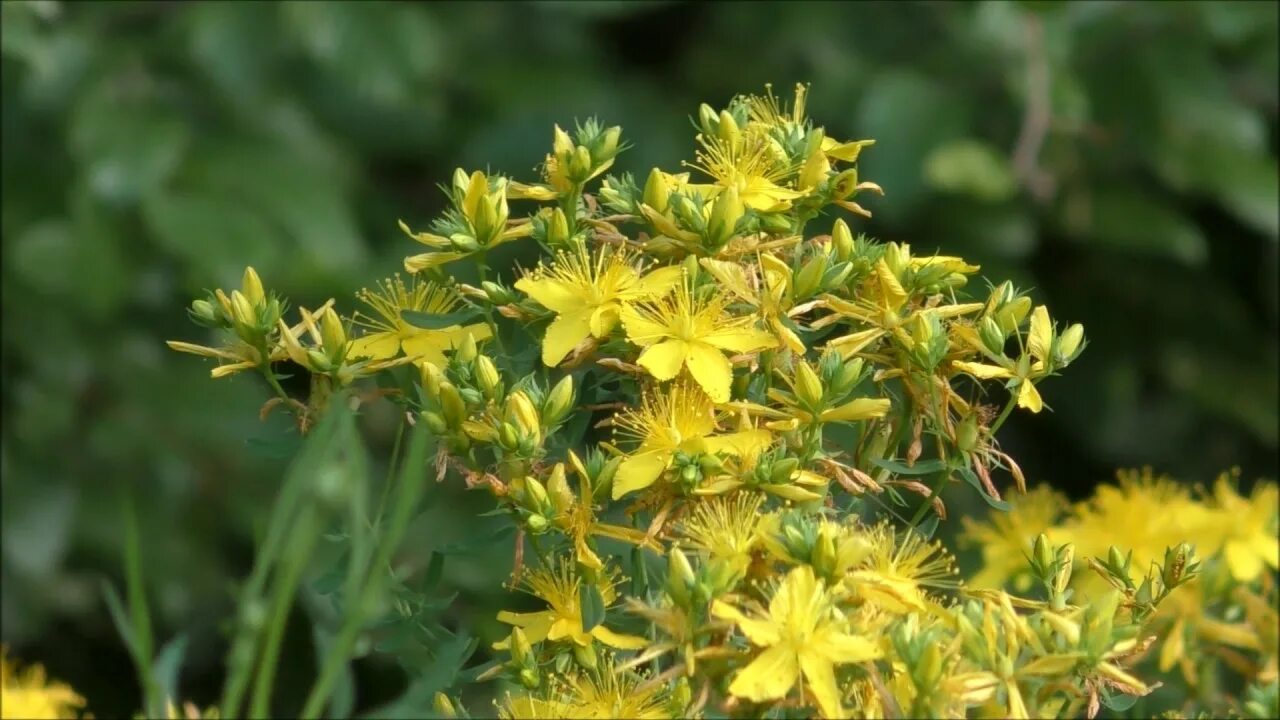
(728, 443)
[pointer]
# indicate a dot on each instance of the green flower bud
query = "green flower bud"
(708, 121)
(842, 240)
(727, 129)
(318, 361)
(967, 433)
(1042, 555)
(808, 281)
(251, 286)
(537, 524)
(1071, 343)
(463, 243)
(529, 678)
(680, 577)
(656, 192)
(775, 222)
(993, 338)
(808, 386)
(497, 294)
(434, 422)
(443, 707)
(203, 313)
(559, 401)
(558, 228)
(783, 470)
(586, 656)
(333, 335)
(726, 212)
(452, 407)
(508, 438)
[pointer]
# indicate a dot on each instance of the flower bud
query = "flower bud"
(680, 577)
(808, 386)
(726, 212)
(443, 707)
(430, 377)
(559, 401)
(497, 294)
(1066, 555)
(251, 286)
(203, 313)
(242, 310)
(557, 228)
(529, 678)
(1010, 317)
(727, 129)
(824, 552)
(318, 361)
(656, 192)
(967, 433)
(452, 407)
(466, 350)
(487, 376)
(782, 471)
(434, 422)
(333, 335)
(993, 338)
(842, 240)
(809, 279)
(507, 436)
(1042, 554)
(520, 410)
(1070, 344)
(708, 121)
(558, 490)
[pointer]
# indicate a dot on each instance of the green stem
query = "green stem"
(391, 469)
(137, 598)
(286, 586)
(408, 492)
(1004, 414)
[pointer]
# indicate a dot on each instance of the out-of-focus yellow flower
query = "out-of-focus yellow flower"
(28, 694)
(1246, 528)
(588, 291)
(558, 586)
(1006, 537)
(388, 332)
(681, 330)
(801, 636)
(680, 419)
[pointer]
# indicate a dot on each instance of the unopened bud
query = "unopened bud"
(466, 350)
(708, 121)
(557, 228)
(318, 361)
(464, 243)
(967, 433)
(529, 678)
(332, 334)
(558, 490)
(656, 192)
(452, 407)
(1042, 554)
(726, 212)
(808, 386)
(251, 285)
(203, 313)
(1012, 314)
(443, 707)
(783, 470)
(559, 401)
(497, 294)
(727, 129)
(993, 338)
(842, 240)
(809, 279)
(521, 410)
(1070, 344)
(242, 310)
(1066, 556)
(680, 577)
(434, 422)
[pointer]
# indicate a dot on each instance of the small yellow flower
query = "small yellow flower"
(596, 694)
(388, 333)
(30, 695)
(681, 330)
(681, 419)
(753, 164)
(899, 568)
(559, 587)
(801, 634)
(725, 527)
(329, 350)
(477, 221)
(588, 292)
(576, 517)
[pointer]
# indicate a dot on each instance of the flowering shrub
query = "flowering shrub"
(720, 425)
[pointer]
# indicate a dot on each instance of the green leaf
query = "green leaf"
(433, 321)
(342, 700)
(120, 618)
(926, 467)
(165, 672)
(592, 606)
(970, 167)
(438, 675)
(972, 478)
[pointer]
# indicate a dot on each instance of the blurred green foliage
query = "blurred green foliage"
(1120, 158)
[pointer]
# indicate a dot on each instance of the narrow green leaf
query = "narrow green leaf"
(926, 467)
(165, 673)
(433, 321)
(592, 606)
(972, 478)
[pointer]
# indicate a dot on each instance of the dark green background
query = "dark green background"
(151, 150)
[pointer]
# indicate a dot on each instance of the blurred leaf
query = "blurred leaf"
(126, 149)
(219, 237)
(166, 670)
(972, 478)
(971, 167)
(343, 698)
(1130, 221)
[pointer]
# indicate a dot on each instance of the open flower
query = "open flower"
(801, 635)
(682, 330)
(682, 419)
(1007, 537)
(1248, 528)
(29, 693)
(588, 292)
(559, 586)
(388, 332)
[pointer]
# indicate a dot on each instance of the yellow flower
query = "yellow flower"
(576, 516)
(330, 348)
(725, 527)
(588, 293)
(1247, 526)
(802, 634)
(389, 333)
(600, 693)
(30, 695)
(682, 419)
(770, 294)
(559, 587)
(898, 568)
(1007, 537)
(753, 164)
(681, 330)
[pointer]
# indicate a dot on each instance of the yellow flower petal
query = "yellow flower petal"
(1029, 397)
(708, 366)
(838, 647)
(225, 370)
(553, 294)
(982, 371)
(660, 281)
(820, 676)
(859, 409)
(641, 330)
(418, 263)
(744, 443)
(379, 346)
(768, 677)
(740, 340)
(760, 632)
(1245, 564)
(563, 335)
(1041, 335)
(618, 640)
(639, 472)
(664, 360)
(536, 625)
